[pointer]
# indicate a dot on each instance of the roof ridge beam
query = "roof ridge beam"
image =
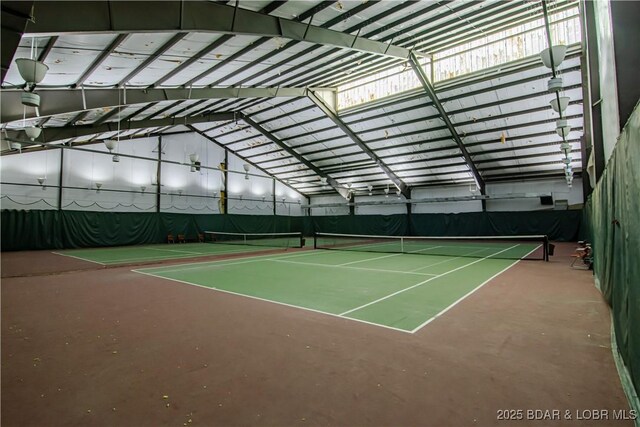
(60, 18)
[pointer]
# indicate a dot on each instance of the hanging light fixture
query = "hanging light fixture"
(563, 128)
(246, 167)
(370, 188)
(564, 102)
(558, 52)
(98, 186)
(33, 132)
(41, 181)
(386, 191)
(143, 188)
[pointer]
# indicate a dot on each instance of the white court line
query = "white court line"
(423, 282)
(205, 264)
(274, 302)
(352, 268)
(446, 260)
(470, 292)
(171, 250)
(77, 257)
(160, 257)
(389, 256)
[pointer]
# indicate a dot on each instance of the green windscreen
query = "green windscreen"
(273, 240)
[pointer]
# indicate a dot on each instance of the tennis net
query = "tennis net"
(502, 247)
(272, 240)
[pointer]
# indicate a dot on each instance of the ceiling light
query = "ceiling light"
(31, 71)
(98, 186)
(564, 102)
(110, 144)
(41, 181)
(143, 188)
(370, 188)
(554, 84)
(30, 99)
(246, 167)
(33, 132)
(563, 128)
(559, 53)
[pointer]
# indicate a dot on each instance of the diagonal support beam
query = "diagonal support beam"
(61, 18)
(204, 135)
(404, 188)
(60, 101)
(52, 134)
(331, 181)
(431, 92)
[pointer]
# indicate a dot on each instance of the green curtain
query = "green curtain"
(612, 216)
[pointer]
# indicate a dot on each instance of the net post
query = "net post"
(315, 240)
(402, 244)
(546, 247)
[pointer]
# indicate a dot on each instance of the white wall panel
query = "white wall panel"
(26, 168)
(445, 207)
(380, 209)
(557, 188)
(340, 210)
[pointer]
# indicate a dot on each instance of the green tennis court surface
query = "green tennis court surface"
(149, 253)
(398, 291)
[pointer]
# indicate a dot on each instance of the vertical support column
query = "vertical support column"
(432, 69)
(273, 194)
(60, 180)
(159, 174)
(224, 195)
(409, 215)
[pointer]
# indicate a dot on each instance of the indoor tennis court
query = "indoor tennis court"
(319, 213)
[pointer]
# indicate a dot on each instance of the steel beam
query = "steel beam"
(332, 182)
(100, 59)
(61, 18)
(51, 134)
(60, 101)
(428, 88)
(338, 122)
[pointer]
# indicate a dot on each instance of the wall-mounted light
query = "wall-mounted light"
(246, 167)
(195, 162)
(41, 181)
